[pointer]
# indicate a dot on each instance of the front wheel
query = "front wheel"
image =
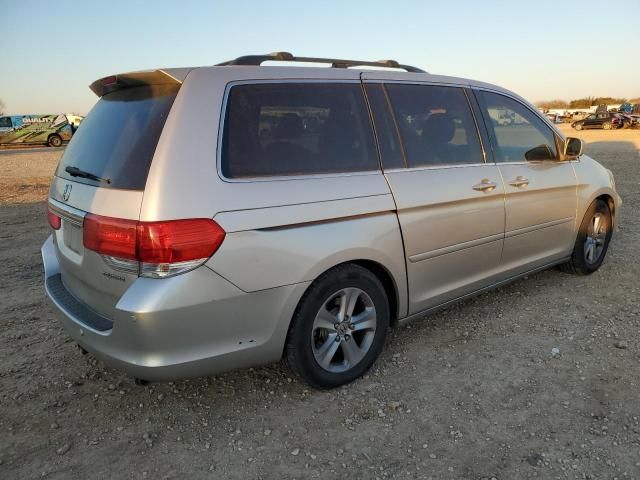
(578, 126)
(607, 126)
(593, 240)
(55, 141)
(339, 327)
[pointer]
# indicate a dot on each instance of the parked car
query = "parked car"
(185, 241)
(554, 117)
(606, 121)
(628, 120)
(635, 120)
(52, 130)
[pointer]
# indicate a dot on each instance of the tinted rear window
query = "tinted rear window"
(119, 136)
(296, 129)
(436, 125)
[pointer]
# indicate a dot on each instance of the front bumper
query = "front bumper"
(190, 325)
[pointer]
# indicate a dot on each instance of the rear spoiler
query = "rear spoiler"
(170, 76)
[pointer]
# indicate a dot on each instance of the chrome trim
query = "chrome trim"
(122, 264)
(531, 228)
(454, 248)
(223, 114)
(416, 82)
(536, 162)
(436, 167)
(70, 214)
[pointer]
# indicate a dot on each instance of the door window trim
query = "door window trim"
(293, 177)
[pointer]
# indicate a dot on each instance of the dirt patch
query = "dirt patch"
(473, 391)
(25, 175)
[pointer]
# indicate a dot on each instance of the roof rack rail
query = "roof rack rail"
(335, 62)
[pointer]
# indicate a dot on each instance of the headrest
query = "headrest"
(438, 128)
(290, 126)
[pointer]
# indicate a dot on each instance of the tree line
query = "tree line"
(585, 102)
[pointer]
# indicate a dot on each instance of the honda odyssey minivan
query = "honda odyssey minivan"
(214, 218)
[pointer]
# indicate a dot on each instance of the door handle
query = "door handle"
(519, 182)
(485, 185)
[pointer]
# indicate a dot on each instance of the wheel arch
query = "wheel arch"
(388, 282)
(608, 199)
(383, 274)
(380, 271)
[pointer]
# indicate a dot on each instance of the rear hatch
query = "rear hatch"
(102, 174)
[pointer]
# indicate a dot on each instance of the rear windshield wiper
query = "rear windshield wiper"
(76, 172)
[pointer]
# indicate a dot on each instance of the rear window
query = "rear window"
(296, 129)
(119, 136)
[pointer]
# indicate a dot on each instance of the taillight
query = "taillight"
(157, 249)
(110, 236)
(54, 220)
(178, 240)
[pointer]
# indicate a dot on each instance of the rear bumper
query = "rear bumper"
(191, 325)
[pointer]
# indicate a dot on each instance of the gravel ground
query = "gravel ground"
(473, 391)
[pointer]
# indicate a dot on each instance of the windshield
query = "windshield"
(118, 137)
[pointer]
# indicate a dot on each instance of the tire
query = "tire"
(54, 141)
(324, 351)
(578, 126)
(606, 126)
(591, 247)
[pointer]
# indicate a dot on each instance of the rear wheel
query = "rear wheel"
(592, 241)
(55, 140)
(578, 126)
(606, 126)
(339, 327)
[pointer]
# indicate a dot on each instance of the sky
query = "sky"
(540, 49)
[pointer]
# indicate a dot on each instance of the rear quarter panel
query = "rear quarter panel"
(270, 257)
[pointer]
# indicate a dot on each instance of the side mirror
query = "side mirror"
(539, 153)
(573, 147)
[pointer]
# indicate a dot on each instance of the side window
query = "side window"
(388, 140)
(277, 129)
(5, 122)
(436, 125)
(518, 134)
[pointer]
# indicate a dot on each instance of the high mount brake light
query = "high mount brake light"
(108, 81)
(162, 248)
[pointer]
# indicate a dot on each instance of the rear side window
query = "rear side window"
(388, 140)
(281, 129)
(436, 125)
(118, 138)
(517, 133)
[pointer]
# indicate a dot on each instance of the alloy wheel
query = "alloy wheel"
(595, 240)
(343, 330)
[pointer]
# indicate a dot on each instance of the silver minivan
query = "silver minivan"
(213, 218)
